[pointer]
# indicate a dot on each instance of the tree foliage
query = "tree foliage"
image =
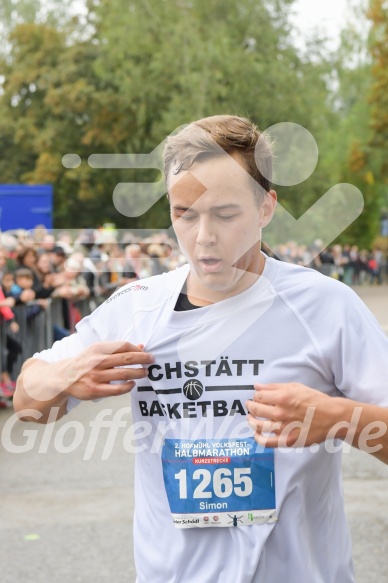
(378, 13)
(364, 129)
(125, 75)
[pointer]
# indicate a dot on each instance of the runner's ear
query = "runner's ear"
(267, 208)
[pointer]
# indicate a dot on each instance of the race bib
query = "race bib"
(212, 482)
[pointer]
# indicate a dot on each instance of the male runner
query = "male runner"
(231, 332)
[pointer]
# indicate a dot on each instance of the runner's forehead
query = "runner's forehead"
(226, 182)
(190, 192)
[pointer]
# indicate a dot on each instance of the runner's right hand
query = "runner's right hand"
(90, 373)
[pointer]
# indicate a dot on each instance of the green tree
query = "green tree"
(139, 71)
(378, 14)
(363, 136)
(177, 61)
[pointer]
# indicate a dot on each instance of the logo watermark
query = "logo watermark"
(296, 155)
(111, 428)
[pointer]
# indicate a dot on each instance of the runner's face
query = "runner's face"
(217, 220)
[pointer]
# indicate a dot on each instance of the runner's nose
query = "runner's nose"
(206, 232)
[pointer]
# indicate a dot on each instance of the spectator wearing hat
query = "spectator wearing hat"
(58, 258)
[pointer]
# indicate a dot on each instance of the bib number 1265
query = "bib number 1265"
(223, 482)
(219, 483)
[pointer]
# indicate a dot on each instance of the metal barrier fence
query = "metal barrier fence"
(40, 326)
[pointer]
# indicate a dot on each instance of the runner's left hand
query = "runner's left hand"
(293, 414)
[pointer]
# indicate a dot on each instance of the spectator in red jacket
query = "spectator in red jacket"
(13, 347)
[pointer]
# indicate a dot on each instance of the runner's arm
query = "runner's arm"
(42, 386)
(299, 416)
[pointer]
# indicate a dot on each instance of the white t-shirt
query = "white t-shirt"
(292, 325)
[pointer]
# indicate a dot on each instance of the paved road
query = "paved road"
(366, 484)
(68, 520)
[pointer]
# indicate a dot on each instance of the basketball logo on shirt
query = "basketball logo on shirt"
(193, 389)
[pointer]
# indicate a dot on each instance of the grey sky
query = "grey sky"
(329, 15)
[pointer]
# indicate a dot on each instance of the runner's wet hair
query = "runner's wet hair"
(210, 135)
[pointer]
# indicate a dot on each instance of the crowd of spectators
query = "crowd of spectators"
(346, 263)
(88, 265)
(69, 267)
